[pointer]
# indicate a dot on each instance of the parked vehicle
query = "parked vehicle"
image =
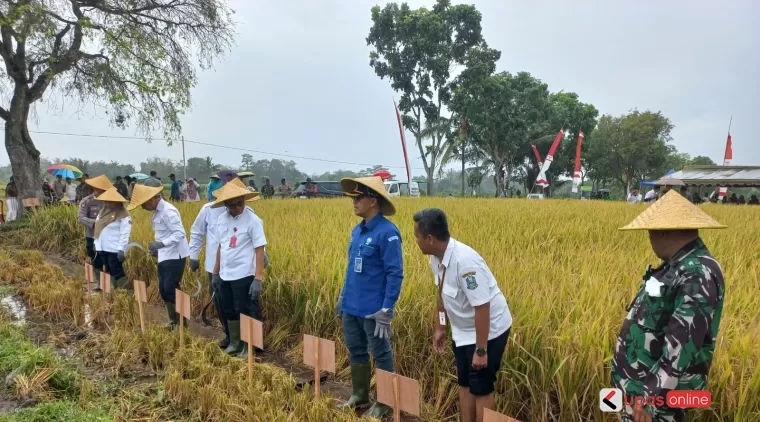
(396, 188)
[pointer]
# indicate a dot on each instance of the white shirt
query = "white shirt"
(239, 261)
(649, 195)
(633, 199)
(205, 225)
(468, 282)
(115, 236)
(71, 192)
(168, 229)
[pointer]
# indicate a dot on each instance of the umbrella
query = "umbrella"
(139, 176)
(224, 175)
(383, 174)
(246, 174)
(65, 171)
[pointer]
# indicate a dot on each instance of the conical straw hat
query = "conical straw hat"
(351, 187)
(239, 183)
(142, 194)
(111, 195)
(100, 182)
(231, 191)
(673, 212)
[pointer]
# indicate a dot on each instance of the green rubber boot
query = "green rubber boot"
(360, 378)
(243, 354)
(119, 283)
(378, 410)
(236, 345)
(173, 315)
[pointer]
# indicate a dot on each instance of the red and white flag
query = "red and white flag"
(729, 152)
(538, 156)
(403, 144)
(541, 179)
(577, 170)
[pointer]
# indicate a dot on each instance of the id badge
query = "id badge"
(357, 264)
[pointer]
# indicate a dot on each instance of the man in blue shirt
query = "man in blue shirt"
(174, 194)
(214, 183)
(371, 288)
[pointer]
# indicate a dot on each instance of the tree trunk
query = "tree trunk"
(431, 180)
(498, 178)
(24, 157)
(464, 181)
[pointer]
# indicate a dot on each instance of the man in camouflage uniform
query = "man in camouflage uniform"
(668, 338)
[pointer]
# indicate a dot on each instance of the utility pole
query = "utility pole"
(184, 162)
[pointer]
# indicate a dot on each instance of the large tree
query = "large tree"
(417, 50)
(631, 148)
(502, 112)
(131, 58)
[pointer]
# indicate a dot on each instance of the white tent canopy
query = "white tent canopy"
(728, 176)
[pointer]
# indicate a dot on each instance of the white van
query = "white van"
(396, 188)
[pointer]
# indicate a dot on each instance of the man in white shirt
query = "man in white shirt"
(470, 299)
(205, 226)
(634, 197)
(652, 195)
(170, 244)
(239, 267)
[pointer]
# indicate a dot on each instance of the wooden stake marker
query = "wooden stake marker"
(105, 282)
(182, 306)
(318, 353)
(491, 416)
(141, 295)
(251, 332)
(401, 393)
(88, 276)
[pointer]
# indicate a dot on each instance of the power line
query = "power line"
(84, 135)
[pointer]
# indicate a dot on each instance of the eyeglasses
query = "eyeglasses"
(359, 197)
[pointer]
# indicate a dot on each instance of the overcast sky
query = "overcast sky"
(299, 83)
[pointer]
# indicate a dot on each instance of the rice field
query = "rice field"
(565, 270)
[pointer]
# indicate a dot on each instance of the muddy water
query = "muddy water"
(15, 305)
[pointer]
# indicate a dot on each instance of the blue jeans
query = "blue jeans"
(359, 336)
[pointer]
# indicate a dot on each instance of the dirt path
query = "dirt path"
(303, 375)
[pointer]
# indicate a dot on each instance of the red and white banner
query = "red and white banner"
(541, 179)
(729, 152)
(538, 156)
(403, 144)
(577, 170)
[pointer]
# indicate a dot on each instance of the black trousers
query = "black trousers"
(236, 300)
(169, 275)
(219, 305)
(95, 258)
(112, 264)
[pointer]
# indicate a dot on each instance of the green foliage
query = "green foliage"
(631, 148)
(416, 50)
(57, 411)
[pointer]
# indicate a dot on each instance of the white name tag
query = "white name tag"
(442, 318)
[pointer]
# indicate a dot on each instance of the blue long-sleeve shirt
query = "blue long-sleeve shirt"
(213, 185)
(378, 284)
(174, 194)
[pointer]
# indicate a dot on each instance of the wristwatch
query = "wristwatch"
(480, 351)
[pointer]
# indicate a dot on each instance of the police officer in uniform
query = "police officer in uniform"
(170, 244)
(668, 336)
(372, 286)
(470, 299)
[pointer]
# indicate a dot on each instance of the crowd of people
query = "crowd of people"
(469, 300)
(656, 192)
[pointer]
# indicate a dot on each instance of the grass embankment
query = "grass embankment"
(566, 271)
(199, 382)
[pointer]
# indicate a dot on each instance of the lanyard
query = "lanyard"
(441, 278)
